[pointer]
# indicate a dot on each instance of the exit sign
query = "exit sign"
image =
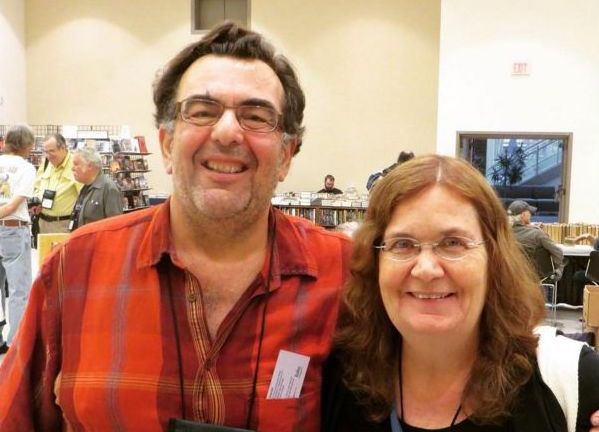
(520, 69)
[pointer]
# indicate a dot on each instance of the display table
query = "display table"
(576, 250)
(576, 258)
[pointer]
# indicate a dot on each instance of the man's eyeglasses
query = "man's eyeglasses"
(206, 112)
(451, 248)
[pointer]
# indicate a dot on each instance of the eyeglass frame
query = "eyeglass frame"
(470, 245)
(179, 113)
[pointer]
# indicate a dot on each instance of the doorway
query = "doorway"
(533, 167)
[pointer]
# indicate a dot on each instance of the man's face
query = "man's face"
(223, 171)
(525, 217)
(329, 184)
(53, 153)
(83, 171)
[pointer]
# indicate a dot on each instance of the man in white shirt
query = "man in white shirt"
(16, 185)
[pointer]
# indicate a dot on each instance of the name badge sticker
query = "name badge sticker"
(288, 376)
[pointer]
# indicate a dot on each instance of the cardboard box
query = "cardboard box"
(590, 306)
(47, 242)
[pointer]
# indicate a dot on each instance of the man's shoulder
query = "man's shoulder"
(114, 224)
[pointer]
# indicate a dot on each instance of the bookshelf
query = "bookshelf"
(123, 159)
(325, 210)
(563, 232)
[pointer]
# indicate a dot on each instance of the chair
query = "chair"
(592, 271)
(546, 271)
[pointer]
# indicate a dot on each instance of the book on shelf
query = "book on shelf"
(138, 165)
(125, 145)
(134, 145)
(141, 141)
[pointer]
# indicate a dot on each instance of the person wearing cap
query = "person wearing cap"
(531, 237)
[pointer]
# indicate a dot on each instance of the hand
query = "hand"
(35, 210)
(557, 275)
(585, 236)
(595, 421)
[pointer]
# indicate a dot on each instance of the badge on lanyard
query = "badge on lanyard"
(48, 198)
(178, 425)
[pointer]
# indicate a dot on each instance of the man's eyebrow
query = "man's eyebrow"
(258, 102)
(205, 96)
(246, 102)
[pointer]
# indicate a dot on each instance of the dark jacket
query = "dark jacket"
(102, 199)
(536, 408)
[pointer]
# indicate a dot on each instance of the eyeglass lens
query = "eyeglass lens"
(203, 112)
(449, 248)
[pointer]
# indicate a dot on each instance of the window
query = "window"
(533, 167)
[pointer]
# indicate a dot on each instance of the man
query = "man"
(3, 293)
(531, 237)
(212, 307)
(329, 186)
(99, 198)
(55, 186)
(16, 186)
(375, 177)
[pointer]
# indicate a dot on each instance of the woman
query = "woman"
(439, 332)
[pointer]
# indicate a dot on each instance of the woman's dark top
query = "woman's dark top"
(536, 409)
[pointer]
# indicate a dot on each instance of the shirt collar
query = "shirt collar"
(292, 256)
(64, 162)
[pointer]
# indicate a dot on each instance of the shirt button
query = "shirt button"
(192, 297)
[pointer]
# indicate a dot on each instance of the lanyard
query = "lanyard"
(165, 279)
(395, 426)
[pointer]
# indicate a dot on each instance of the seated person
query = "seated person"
(532, 237)
(329, 186)
(579, 277)
(440, 326)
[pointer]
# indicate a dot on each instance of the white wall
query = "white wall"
(369, 70)
(12, 62)
(479, 42)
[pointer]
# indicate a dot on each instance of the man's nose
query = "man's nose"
(227, 129)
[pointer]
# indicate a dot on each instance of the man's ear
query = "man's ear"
(166, 148)
(288, 150)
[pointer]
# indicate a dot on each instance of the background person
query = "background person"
(55, 186)
(16, 186)
(182, 310)
(329, 186)
(100, 197)
(531, 237)
(442, 309)
(3, 293)
(375, 177)
(579, 276)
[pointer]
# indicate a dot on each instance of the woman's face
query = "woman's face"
(428, 294)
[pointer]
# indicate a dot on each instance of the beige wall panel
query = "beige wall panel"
(13, 101)
(369, 70)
